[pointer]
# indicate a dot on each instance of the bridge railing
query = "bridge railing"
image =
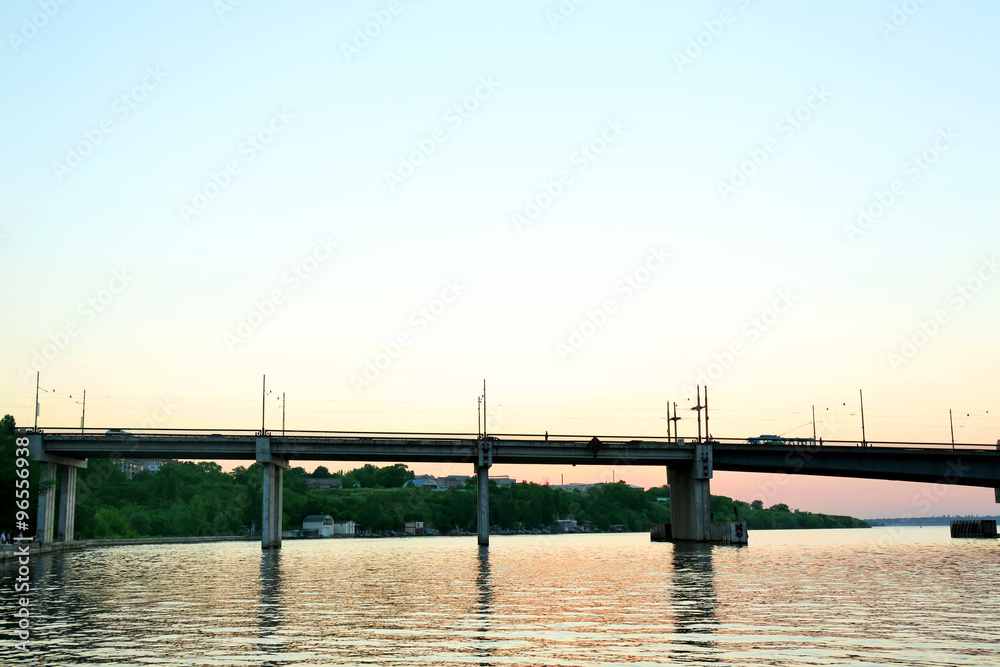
(560, 438)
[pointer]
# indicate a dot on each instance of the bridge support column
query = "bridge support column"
(274, 468)
(690, 499)
(483, 463)
(47, 506)
(65, 467)
(67, 503)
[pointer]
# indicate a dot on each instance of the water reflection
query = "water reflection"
(270, 593)
(485, 604)
(694, 601)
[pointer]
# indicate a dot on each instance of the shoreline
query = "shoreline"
(9, 552)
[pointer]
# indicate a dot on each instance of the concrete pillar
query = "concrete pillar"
(271, 525)
(274, 467)
(997, 492)
(47, 506)
(67, 466)
(483, 505)
(484, 460)
(67, 503)
(690, 499)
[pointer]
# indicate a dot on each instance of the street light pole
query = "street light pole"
(864, 441)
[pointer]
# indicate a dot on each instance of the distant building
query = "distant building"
(453, 481)
(426, 482)
(132, 467)
(320, 525)
(503, 480)
(566, 525)
(344, 528)
(414, 528)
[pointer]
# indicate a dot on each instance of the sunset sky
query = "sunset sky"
(594, 206)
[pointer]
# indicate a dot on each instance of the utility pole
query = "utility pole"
(952, 422)
(479, 416)
(675, 419)
(699, 407)
(263, 402)
(708, 434)
(485, 413)
(282, 414)
(814, 424)
(864, 441)
(83, 415)
(38, 375)
(668, 422)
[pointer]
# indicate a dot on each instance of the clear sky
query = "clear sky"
(593, 205)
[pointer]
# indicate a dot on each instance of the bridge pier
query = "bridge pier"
(47, 507)
(63, 468)
(67, 503)
(274, 468)
(690, 499)
(483, 462)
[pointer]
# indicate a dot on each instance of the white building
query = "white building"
(320, 524)
(345, 528)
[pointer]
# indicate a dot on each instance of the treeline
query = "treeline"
(194, 499)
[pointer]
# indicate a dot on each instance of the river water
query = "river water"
(884, 596)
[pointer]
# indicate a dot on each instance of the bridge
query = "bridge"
(690, 463)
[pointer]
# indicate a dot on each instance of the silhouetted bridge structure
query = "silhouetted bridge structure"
(690, 463)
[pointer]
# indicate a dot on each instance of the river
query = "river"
(882, 596)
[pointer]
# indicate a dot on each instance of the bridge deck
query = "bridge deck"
(970, 465)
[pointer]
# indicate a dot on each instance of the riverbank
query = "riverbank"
(9, 552)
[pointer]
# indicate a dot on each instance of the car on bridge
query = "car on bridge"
(778, 440)
(765, 440)
(122, 433)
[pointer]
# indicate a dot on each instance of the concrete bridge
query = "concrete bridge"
(690, 464)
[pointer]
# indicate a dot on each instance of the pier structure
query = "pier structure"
(64, 468)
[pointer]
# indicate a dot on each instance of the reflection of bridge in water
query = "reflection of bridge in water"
(690, 463)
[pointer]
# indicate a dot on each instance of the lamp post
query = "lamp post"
(83, 414)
